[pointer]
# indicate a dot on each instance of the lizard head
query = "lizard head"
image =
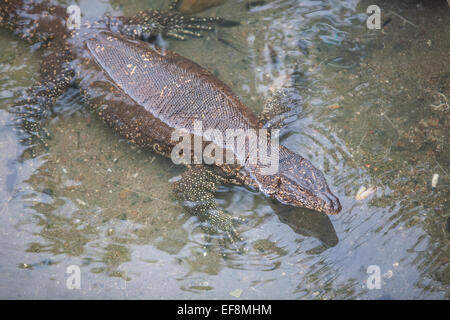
(299, 183)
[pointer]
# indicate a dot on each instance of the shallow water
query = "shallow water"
(372, 111)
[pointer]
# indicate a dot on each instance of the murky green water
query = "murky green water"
(373, 111)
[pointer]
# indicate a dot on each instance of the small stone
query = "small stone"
(334, 107)
(363, 193)
(236, 293)
(434, 180)
(81, 202)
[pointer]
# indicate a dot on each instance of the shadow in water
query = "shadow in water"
(307, 222)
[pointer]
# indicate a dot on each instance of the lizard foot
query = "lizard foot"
(29, 119)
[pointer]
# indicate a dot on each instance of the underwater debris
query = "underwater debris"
(434, 180)
(363, 193)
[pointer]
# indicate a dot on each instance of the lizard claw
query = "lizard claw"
(228, 226)
(30, 122)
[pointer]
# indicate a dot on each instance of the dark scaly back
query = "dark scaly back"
(172, 88)
(171, 92)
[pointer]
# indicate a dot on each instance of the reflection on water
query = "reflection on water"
(307, 223)
(372, 111)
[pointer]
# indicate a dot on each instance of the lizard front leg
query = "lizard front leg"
(35, 107)
(195, 190)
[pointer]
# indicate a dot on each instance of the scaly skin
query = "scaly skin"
(144, 93)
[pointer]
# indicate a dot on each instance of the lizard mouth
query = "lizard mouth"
(330, 205)
(319, 200)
